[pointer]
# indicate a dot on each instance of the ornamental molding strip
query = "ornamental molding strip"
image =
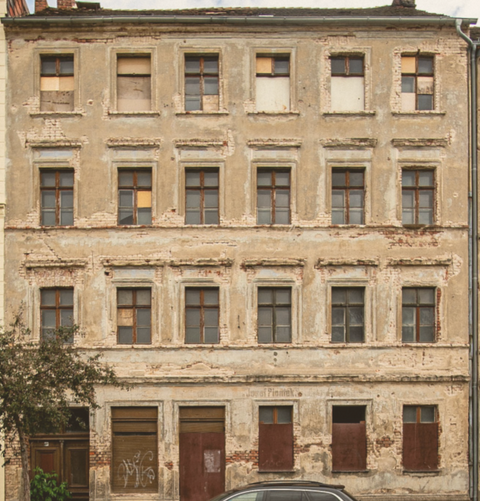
(274, 143)
(421, 261)
(198, 263)
(199, 143)
(128, 142)
(420, 142)
(132, 262)
(253, 263)
(54, 143)
(324, 263)
(353, 142)
(49, 263)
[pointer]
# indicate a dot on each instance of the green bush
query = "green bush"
(44, 487)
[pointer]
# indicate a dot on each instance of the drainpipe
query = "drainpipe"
(473, 267)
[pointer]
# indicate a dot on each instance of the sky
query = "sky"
(455, 8)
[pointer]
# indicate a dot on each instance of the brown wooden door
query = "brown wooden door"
(202, 453)
(46, 455)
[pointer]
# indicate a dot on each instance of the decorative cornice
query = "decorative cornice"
(53, 263)
(132, 262)
(54, 143)
(122, 142)
(420, 261)
(274, 143)
(199, 143)
(420, 142)
(252, 263)
(201, 262)
(353, 142)
(324, 263)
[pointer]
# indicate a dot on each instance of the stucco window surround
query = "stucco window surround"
(273, 52)
(421, 165)
(198, 50)
(223, 310)
(369, 425)
(58, 51)
(54, 165)
(327, 107)
(203, 165)
(143, 165)
(396, 101)
(124, 278)
(117, 53)
(107, 435)
(276, 402)
(277, 165)
(368, 309)
(365, 167)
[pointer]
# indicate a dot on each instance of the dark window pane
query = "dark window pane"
(265, 415)
(210, 64)
(408, 84)
(284, 414)
(355, 66)
(282, 66)
(125, 179)
(425, 102)
(48, 297)
(425, 65)
(192, 64)
(125, 335)
(409, 414)
(338, 65)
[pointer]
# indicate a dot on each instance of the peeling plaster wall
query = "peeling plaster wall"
(310, 255)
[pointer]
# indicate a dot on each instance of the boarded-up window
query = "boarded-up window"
(201, 83)
(57, 83)
(418, 196)
(272, 83)
(134, 450)
(349, 439)
(201, 196)
(134, 196)
(56, 307)
(275, 438)
(348, 83)
(134, 316)
(417, 83)
(134, 86)
(201, 315)
(420, 438)
(56, 189)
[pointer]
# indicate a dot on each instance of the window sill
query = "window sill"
(149, 113)
(418, 113)
(419, 226)
(201, 113)
(276, 471)
(364, 113)
(350, 472)
(274, 113)
(75, 113)
(57, 227)
(428, 473)
(134, 226)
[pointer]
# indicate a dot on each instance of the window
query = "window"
(349, 438)
(347, 315)
(201, 315)
(272, 83)
(135, 196)
(348, 83)
(56, 197)
(201, 197)
(417, 197)
(134, 450)
(274, 315)
(417, 83)
(56, 83)
(134, 316)
(134, 86)
(418, 315)
(56, 307)
(273, 196)
(275, 438)
(201, 83)
(348, 196)
(420, 438)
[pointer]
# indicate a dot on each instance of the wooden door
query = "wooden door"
(202, 453)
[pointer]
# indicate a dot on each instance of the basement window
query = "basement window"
(418, 314)
(134, 85)
(420, 438)
(417, 83)
(275, 438)
(57, 83)
(201, 83)
(349, 438)
(272, 83)
(134, 466)
(134, 316)
(347, 83)
(202, 315)
(134, 196)
(56, 310)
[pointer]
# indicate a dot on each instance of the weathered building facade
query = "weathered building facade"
(260, 218)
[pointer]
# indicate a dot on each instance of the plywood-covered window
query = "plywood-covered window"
(134, 450)
(417, 83)
(348, 196)
(134, 315)
(275, 438)
(273, 196)
(347, 83)
(420, 438)
(418, 314)
(349, 438)
(418, 196)
(57, 84)
(201, 196)
(202, 315)
(274, 315)
(56, 308)
(134, 196)
(348, 314)
(201, 83)
(134, 83)
(56, 197)
(272, 83)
